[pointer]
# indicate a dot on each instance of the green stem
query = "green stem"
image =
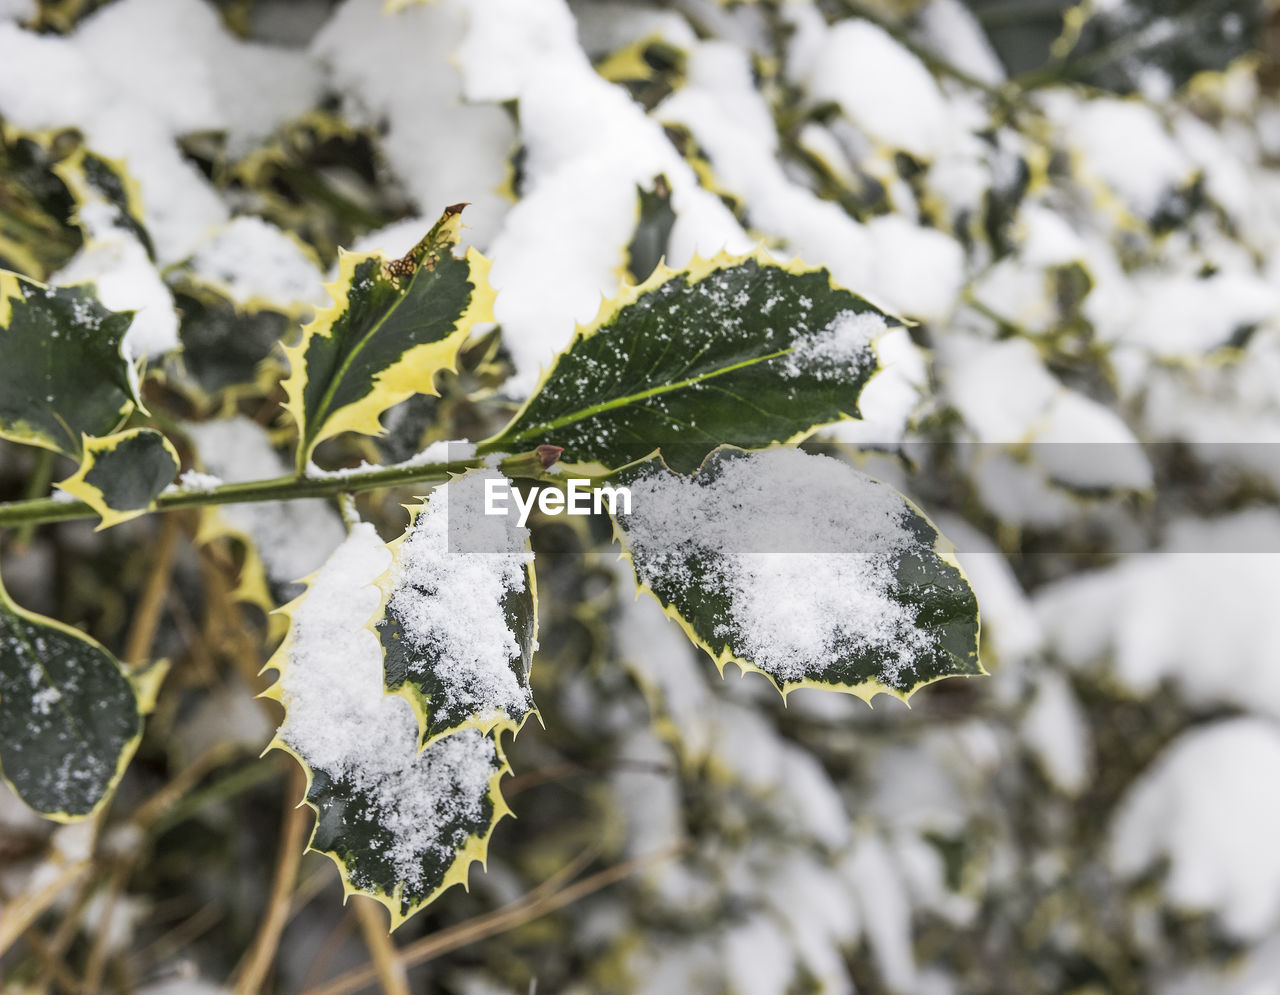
(41, 478)
(43, 510)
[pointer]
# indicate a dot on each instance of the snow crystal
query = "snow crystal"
(833, 350)
(197, 482)
(43, 700)
(339, 719)
(890, 397)
(790, 612)
(448, 585)
(127, 280)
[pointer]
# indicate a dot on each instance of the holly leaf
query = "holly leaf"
(459, 622)
(392, 327)
(121, 475)
(34, 235)
(93, 179)
(359, 824)
(64, 372)
(402, 824)
(69, 719)
(226, 347)
(738, 349)
(800, 568)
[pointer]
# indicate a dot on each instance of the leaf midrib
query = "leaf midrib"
(618, 402)
(327, 397)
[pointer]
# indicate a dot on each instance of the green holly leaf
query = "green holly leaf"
(739, 350)
(459, 621)
(121, 475)
(69, 720)
(64, 372)
(226, 347)
(392, 327)
(94, 179)
(403, 824)
(34, 235)
(407, 867)
(800, 568)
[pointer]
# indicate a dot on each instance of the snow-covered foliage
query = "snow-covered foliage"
(1080, 231)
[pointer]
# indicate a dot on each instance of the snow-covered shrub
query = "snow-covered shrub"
(807, 278)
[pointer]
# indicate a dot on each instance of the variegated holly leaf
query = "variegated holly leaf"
(226, 347)
(34, 235)
(93, 180)
(739, 350)
(64, 373)
(394, 325)
(69, 718)
(459, 623)
(800, 568)
(1120, 46)
(403, 824)
(121, 475)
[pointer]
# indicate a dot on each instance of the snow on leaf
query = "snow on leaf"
(402, 824)
(459, 625)
(1204, 806)
(800, 568)
(64, 372)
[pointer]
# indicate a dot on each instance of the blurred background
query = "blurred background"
(1078, 208)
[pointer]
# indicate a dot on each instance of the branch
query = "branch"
(314, 485)
(253, 970)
